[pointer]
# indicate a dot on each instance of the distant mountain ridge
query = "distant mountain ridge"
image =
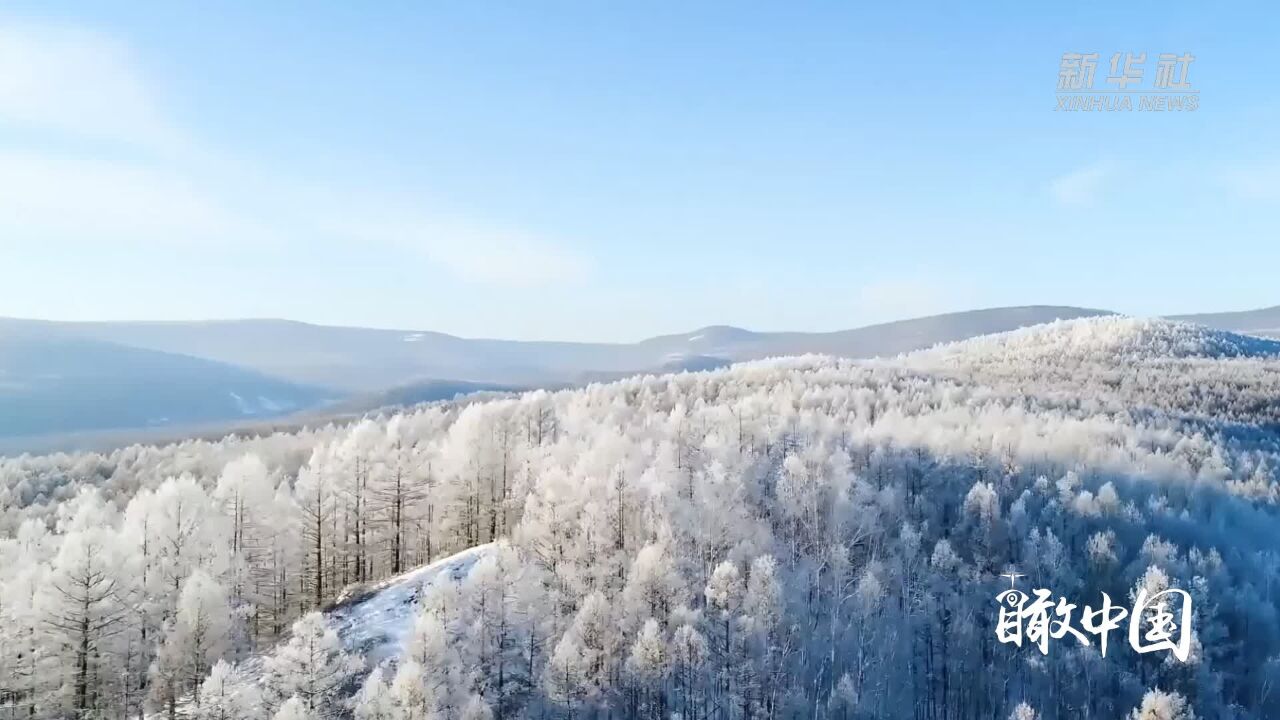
(373, 360)
(1264, 321)
(58, 383)
(166, 374)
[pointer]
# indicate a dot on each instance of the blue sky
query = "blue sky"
(612, 171)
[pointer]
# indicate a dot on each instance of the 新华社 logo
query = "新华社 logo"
(1124, 84)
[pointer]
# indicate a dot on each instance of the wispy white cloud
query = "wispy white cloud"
(1081, 187)
(165, 187)
(79, 82)
(46, 197)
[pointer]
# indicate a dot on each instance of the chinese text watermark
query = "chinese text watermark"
(1159, 620)
(1124, 85)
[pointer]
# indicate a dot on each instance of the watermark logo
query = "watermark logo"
(1124, 86)
(1159, 620)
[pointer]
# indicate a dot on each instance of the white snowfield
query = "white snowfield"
(374, 620)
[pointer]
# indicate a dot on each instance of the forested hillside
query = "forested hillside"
(794, 538)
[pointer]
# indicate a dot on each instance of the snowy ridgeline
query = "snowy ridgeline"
(781, 539)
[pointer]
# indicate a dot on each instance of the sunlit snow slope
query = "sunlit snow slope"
(374, 620)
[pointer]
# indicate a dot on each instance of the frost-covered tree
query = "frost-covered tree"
(582, 663)
(649, 665)
(311, 666)
(229, 693)
(689, 653)
(1024, 712)
(294, 709)
(477, 709)
(198, 635)
(84, 607)
(374, 701)
(1159, 705)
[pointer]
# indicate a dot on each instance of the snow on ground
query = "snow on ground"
(374, 620)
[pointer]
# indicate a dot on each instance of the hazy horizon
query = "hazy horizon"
(675, 330)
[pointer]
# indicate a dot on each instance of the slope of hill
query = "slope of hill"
(53, 383)
(375, 620)
(1109, 340)
(1187, 376)
(1264, 321)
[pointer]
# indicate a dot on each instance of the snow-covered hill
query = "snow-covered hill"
(1187, 376)
(1111, 340)
(797, 537)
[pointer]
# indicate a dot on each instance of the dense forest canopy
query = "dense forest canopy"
(792, 538)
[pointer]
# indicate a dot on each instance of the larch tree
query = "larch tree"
(199, 634)
(311, 666)
(229, 693)
(84, 608)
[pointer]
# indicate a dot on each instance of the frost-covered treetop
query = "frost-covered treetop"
(1107, 339)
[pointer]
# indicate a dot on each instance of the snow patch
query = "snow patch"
(241, 405)
(374, 620)
(269, 405)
